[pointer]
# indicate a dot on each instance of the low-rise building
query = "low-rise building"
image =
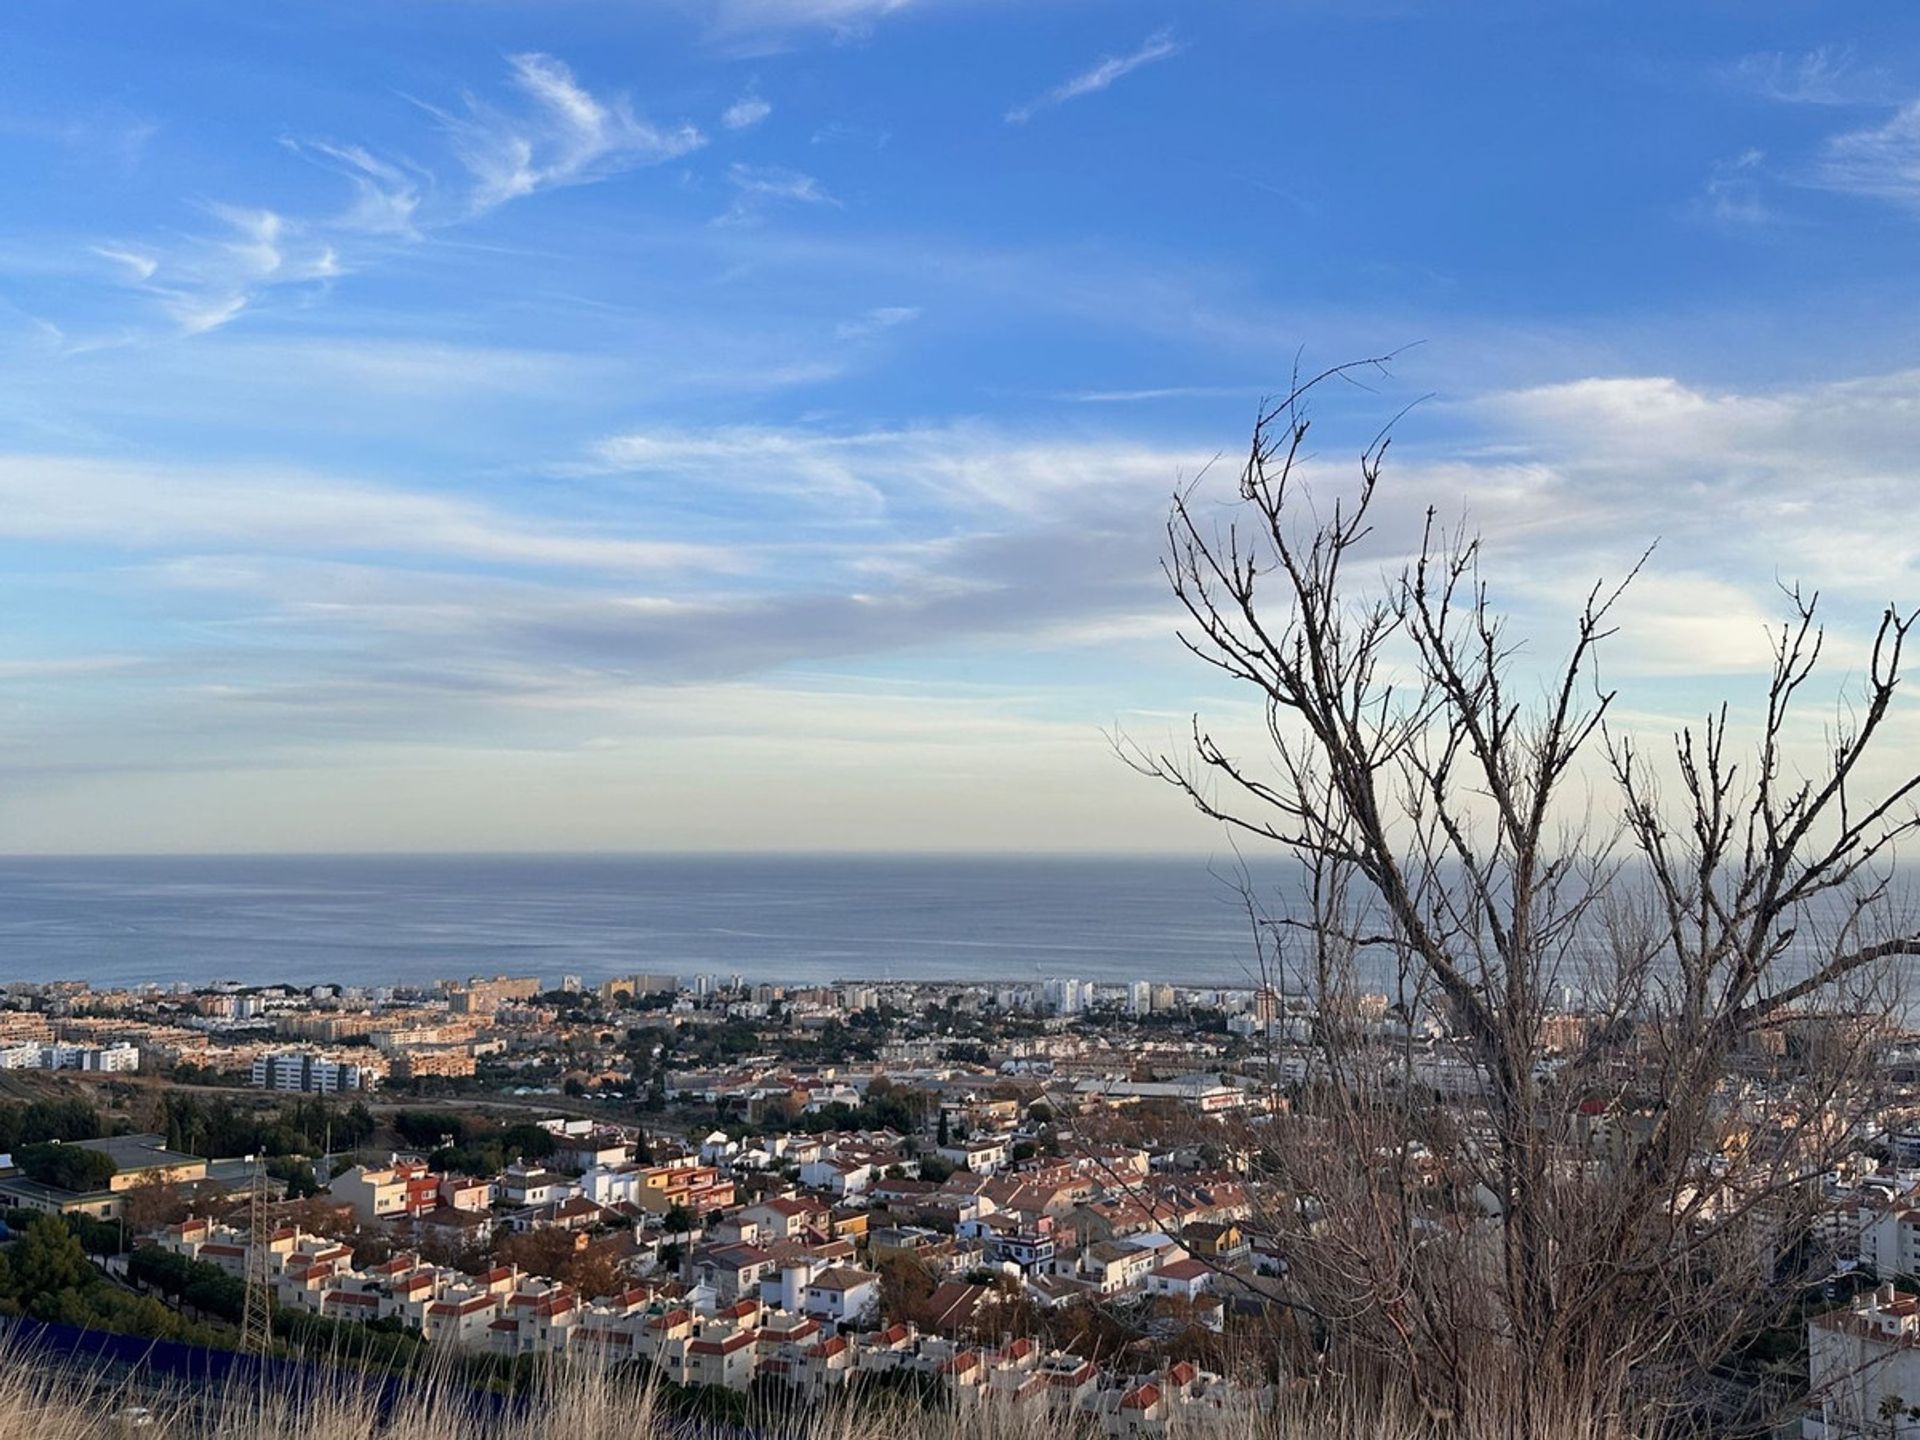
(1863, 1369)
(403, 1189)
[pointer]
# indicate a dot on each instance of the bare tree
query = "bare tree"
(1597, 1200)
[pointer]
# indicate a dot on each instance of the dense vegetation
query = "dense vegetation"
(205, 1288)
(470, 1144)
(45, 1274)
(219, 1126)
(43, 1120)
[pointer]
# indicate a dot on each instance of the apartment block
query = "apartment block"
(305, 1071)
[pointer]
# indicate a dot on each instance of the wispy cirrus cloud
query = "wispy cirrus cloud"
(562, 133)
(1158, 392)
(387, 193)
(746, 112)
(1158, 46)
(1732, 192)
(107, 133)
(171, 508)
(761, 22)
(204, 281)
(758, 186)
(1826, 75)
(876, 322)
(567, 135)
(138, 264)
(1879, 161)
(956, 468)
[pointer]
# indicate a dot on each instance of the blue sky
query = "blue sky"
(746, 423)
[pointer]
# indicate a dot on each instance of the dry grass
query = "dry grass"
(45, 1402)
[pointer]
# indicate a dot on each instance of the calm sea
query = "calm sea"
(412, 919)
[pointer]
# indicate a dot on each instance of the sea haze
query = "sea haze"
(407, 920)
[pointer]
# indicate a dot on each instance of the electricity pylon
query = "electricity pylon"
(256, 1311)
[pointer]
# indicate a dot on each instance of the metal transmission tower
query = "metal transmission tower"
(256, 1313)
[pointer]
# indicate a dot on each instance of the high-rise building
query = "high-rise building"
(1069, 996)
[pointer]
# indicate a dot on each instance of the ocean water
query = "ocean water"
(398, 920)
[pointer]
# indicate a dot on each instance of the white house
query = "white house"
(523, 1185)
(1183, 1279)
(611, 1185)
(839, 1178)
(1859, 1359)
(982, 1154)
(842, 1296)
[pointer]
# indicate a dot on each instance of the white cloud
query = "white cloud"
(563, 134)
(1732, 192)
(817, 468)
(746, 112)
(361, 615)
(569, 136)
(255, 244)
(757, 186)
(387, 194)
(1160, 392)
(737, 20)
(876, 321)
(1881, 161)
(956, 468)
(197, 314)
(1158, 46)
(204, 281)
(169, 508)
(139, 265)
(1672, 622)
(1795, 482)
(839, 132)
(1825, 75)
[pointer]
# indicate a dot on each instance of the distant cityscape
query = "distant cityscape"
(354, 1038)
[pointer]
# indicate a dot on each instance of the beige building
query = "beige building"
(448, 1060)
(483, 997)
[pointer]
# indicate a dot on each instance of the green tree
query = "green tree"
(47, 1262)
(66, 1167)
(43, 1120)
(356, 1127)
